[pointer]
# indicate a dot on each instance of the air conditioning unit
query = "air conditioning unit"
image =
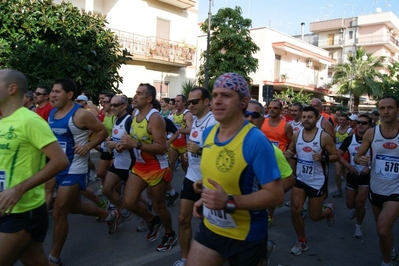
(309, 62)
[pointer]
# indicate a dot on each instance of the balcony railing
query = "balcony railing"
(370, 39)
(156, 49)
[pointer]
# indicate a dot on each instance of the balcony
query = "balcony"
(182, 4)
(372, 40)
(156, 50)
(330, 44)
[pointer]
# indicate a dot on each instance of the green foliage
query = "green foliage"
(290, 96)
(186, 87)
(48, 41)
(366, 78)
(231, 46)
(390, 82)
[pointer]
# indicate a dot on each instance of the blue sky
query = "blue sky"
(286, 15)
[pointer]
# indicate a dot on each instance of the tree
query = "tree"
(231, 46)
(359, 76)
(390, 81)
(289, 96)
(46, 41)
(186, 87)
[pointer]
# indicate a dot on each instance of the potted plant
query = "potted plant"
(284, 77)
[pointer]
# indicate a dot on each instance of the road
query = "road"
(89, 243)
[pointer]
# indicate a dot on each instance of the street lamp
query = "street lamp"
(208, 40)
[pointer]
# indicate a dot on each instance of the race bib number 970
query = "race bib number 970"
(2, 180)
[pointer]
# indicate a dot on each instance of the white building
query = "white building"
(285, 61)
(160, 36)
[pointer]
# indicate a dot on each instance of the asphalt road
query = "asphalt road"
(89, 243)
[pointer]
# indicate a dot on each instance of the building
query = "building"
(160, 36)
(285, 61)
(378, 33)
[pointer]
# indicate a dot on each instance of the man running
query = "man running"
(25, 142)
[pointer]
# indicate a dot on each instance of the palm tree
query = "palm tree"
(360, 76)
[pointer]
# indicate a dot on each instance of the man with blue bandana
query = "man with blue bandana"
(241, 180)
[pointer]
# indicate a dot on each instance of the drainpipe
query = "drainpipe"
(302, 31)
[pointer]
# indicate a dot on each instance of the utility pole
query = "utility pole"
(208, 45)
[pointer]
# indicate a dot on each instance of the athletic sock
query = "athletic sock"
(54, 259)
(108, 217)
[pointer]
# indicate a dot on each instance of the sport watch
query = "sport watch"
(138, 145)
(230, 204)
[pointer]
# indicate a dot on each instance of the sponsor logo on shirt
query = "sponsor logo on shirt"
(307, 149)
(389, 145)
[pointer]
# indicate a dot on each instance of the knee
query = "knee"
(184, 221)
(159, 206)
(383, 230)
(130, 205)
(107, 191)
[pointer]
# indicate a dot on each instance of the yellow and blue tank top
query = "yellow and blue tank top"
(179, 122)
(240, 165)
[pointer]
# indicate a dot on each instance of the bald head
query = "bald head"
(10, 76)
(316, 103)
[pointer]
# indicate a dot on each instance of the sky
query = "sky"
(287, 15)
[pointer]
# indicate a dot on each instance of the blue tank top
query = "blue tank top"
(68, 136)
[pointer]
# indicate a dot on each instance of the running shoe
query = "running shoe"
(93, 176)
(58, 262)
(358, 231)
(338, 194)
(113, 222)
(299, 248)
(143, 226)
(167, 242)
(269, 249)
(331, 219)
(394, 256)
(155, 226)
(111, 207)
(99, 192)
(124, 218)
(172, 199)
(104, 204)
(352, 214)
(180, 262)
(304, 212)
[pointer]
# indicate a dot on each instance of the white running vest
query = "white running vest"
(197, 129)
(307, 170)
(352, 149)
(384, 178)
(122, 160)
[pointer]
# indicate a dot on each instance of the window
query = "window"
(351, 35)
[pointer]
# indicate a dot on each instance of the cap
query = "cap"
(234, 82)
(82, 98)
(353, 117)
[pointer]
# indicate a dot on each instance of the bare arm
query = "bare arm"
(329, 146)
(157, 128)
(58, 162)
(173, 137)
(360, 157)
(188, 117)
(288, 132)
(84, 119)
(328, 128)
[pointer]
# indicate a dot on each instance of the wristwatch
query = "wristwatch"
(230, 204)
(138, 145)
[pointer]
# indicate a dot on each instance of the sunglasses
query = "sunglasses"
(273, 107)
(116, 104)
(362, 123)
(194, 102)
(254, 115)
(38, 93)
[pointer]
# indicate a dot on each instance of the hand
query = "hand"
(365, 171)
(80, 149)
(289, 154)
(364, 160)
(197, 209)
(8, 199)
(192, 147)
(316, 156)
(214, 199)
(198, 186)
(127, 142)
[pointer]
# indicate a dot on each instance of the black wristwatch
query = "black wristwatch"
(199, 151)
(230, 206)
(138, 145)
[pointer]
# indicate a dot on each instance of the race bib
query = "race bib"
(219, 218)
(63, 146)
(387, 167)
(2, 180)
(306, 169)
(137, 154)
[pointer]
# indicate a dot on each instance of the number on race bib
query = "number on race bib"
(2, 180)
(307, 170)
(392, 167)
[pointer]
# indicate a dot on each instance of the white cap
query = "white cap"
(82, 98)
(353, 117)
